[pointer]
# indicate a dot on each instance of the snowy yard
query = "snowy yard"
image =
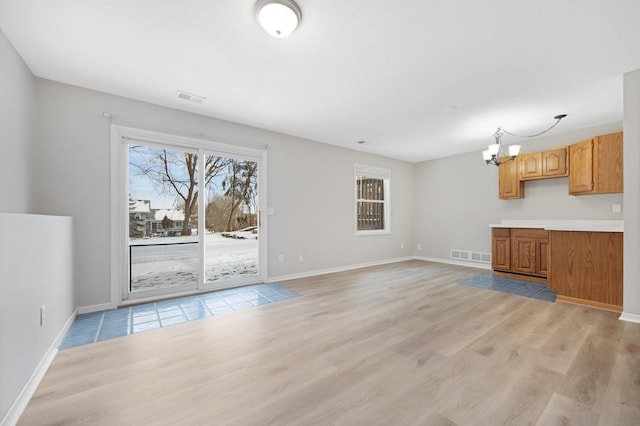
(168, 261)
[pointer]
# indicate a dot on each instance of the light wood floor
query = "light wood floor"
(400, 344)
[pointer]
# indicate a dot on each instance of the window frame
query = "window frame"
(373, 172)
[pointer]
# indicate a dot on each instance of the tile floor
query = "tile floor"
(512, 286)
(97, 326)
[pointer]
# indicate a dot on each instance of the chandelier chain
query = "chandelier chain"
(557, 117)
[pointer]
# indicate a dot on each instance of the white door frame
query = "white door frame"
(121, 135)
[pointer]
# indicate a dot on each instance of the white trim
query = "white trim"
(338, 269)
(372, 172)
(625, 316)
(16, 409)
(95, 308)
(116, 242)
(454, 262)
(375, 263)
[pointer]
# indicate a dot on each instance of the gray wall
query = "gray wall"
(311, 186)
(35, 260)
(632, 194)
(35, 251)
(457, 197)
(16, 123)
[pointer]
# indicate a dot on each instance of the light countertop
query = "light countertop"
(565, 225)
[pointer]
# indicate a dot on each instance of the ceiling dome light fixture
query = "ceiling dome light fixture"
(492, 154)
(278, 18)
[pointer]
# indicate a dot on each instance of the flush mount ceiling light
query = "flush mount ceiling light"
(493, 154)
(278, 18)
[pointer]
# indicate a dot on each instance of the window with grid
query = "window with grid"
(372, 199)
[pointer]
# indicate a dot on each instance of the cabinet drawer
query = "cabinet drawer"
(501, 232)
(539, 234)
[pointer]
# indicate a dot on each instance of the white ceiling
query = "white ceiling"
(415, 79)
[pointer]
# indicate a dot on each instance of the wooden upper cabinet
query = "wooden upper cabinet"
(554, 162)
(609, 177)
(530, 165)
(509, 185)
(595, 165)
(544, 164)
(581, 167)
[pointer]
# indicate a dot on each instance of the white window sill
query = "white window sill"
(376, 232)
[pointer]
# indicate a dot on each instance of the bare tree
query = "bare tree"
(218, 211)
(175, 172)
(241, 186)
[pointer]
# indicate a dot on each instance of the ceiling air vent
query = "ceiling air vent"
(185, 96)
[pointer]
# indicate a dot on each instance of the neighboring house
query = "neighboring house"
(165, 222)
(146, 222)
(139, 213)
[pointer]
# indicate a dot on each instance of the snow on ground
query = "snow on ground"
(169, 261)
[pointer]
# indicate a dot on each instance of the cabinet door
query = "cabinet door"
(501, 254)
(524, 255)
(509, 186)
(554, 162)
(542, 257)
(609, 163)
(581, 167)
(530, 165)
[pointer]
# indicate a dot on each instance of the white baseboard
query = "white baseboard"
(337, 269)
(94, 308)
(625, 316)
(455, 262)
(22, 400)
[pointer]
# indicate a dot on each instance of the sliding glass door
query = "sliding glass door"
(192, 217)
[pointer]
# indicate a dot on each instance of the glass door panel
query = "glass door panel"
(231, 220)
(163, 219)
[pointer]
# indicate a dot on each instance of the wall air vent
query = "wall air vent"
(471, 256)
(185, 96)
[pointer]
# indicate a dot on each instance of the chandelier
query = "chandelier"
(493, 154)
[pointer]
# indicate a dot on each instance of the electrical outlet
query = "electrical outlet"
(43, 314)
(616, 208)
(419, 246)
(281, 258)
(300, 258)
(401, 245)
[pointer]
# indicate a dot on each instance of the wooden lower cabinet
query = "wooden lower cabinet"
(583, 267)
(501, 249)
(587, 266)
(529, 251)
(542, 258)
(520, 250)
